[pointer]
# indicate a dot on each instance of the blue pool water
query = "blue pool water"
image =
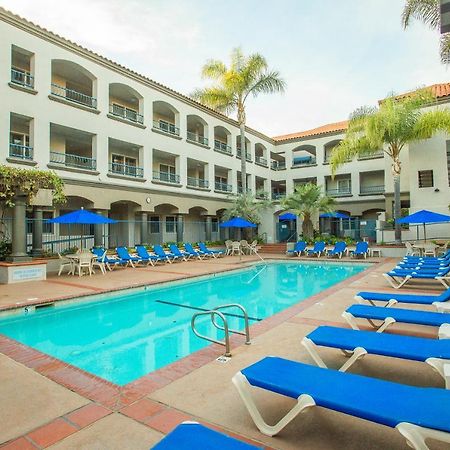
(126, 335)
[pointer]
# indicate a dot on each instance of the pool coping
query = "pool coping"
(116, 397)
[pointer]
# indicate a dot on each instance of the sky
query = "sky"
(335, 56)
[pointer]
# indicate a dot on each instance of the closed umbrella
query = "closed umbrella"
(82, 217)
(424, 217)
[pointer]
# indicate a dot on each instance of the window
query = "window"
(170, 224)
(343, 186)
(215, 225)
(154, 224)
(167, 173)
(425, 178)
(46, 226)
(19, 138)
(123, 164)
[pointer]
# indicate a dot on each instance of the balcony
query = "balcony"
(371, 190)
(166, 177)
(261, 161)
(22, 78)
(304, 161)
(222, 147)
(278, 165)
(378, 154)
(192, 137)
(248, 156)
(74, 96)
(223, 187)
(126, 170)
(166, 127)
(278, 195)
(240, 190)
(21, 151)
(126, 113)
(69, 160)
(197, 183)
(344, 192)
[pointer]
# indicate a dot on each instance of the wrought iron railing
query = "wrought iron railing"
(222, 147)
(126, 113)
(278, 165)
(73, 96)
(70, 160)
(372, 189)
(378, 154)
(197, 182)
(125, 169)
(278, 195)
(307, 161)
(22, 77)
(261, 161)
(196, 138)
(338, 192)
(248, 155)
(223, 187)
(240, 190)
(166, 127)
(166, 177)
(20, 151)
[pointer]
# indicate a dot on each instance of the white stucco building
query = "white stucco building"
(139, 152)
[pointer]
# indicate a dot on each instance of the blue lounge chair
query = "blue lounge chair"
(180, 253)
(434, 352)
(362, 249)
(417, 413)
(318, 249)
(214, 253)
(298, 249)
(445, 257)
(109, 262)
(191, 251)
(192, 435)
(391, 299)
(398, 278)
(127, 259)
(338, 250)
(389, 316)
(164, 256)
(143, 253)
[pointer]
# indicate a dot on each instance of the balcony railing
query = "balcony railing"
(372, 189)
(278, 195)
(278, 165)
(125, 169)
(22, 78)
(166, 177)
(21, 151)
(223, 187)
(338, 192)
(304, 161)
(196, 138)
(261, 161)
(69, 160)
(74, 96)
(378, 154)
(222, 147)
(248, 155)
(126, 113)
(197, 182)
(166, 127)
(240, 190)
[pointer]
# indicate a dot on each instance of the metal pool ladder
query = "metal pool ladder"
(215, 313)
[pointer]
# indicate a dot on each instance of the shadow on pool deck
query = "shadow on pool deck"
(52, 416)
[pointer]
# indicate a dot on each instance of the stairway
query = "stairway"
(274, 249)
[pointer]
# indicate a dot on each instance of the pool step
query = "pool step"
(273, 248)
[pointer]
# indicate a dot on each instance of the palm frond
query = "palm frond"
(216, 98)
(246, 206)
(427, 11)
(214, 69)
(430, 122)
(444, 48)
(267, 83)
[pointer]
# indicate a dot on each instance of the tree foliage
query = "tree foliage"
(248, 207)
(307, 200)
(28, 182)
(428, 12)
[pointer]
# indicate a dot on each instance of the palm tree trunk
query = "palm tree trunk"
(396, 169)
(243, 159)
(307, 227)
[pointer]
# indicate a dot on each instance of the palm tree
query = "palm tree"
(428, 12)
(395, 123)
(247, 206)
(306, 200)
(246, 76)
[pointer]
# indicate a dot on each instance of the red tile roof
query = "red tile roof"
(324, 129)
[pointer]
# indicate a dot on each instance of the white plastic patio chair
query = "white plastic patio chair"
(429, 249)
(410, 250)
(253, 248)
(228, 246)
(236, 248)
(65, 263)
(100, 263)
(84, 262)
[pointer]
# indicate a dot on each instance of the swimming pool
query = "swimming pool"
(123, 336)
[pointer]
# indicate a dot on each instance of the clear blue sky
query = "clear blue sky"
(334, 55)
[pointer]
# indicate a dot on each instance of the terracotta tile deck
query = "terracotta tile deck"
(104, 415)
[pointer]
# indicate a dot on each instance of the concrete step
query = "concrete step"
(273, 248)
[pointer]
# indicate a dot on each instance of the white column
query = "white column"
(100, 152)
(181, 168)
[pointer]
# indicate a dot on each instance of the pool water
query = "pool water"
(129, 334)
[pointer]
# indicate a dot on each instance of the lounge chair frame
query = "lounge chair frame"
(414, 434)
(392, 280)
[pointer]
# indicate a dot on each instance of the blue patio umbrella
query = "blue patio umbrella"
(288, 216)
(424, 217)
(238, 222)
(334, 215)
(82, 217)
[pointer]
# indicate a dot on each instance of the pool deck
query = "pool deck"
(46, 403)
